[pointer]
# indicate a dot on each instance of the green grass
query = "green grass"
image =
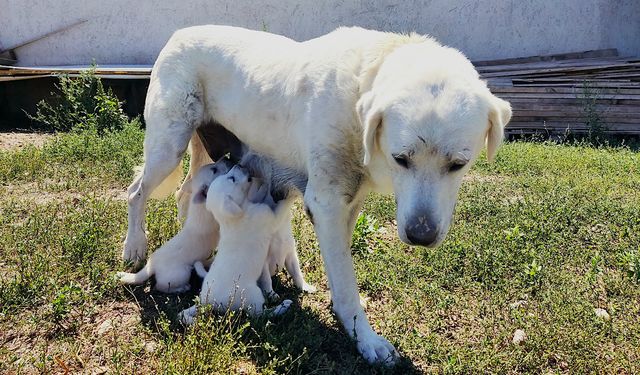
(541, 238)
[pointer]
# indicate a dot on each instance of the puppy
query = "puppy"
(172, 263)
(285, 185)
(246, 229)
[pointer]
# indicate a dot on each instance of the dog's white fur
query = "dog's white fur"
(358, 110)
(172, 262)
(246, 229)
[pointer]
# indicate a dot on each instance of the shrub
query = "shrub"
(81, 103)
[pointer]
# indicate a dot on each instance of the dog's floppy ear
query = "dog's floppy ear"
(232, 208)
(499, 116)
(370, 119)
(201, 194)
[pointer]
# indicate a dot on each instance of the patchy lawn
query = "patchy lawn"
(542, 238)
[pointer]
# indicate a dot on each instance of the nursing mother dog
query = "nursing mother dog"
(354, 111)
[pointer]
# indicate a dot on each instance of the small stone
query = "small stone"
(518, 337)
(518, 304)
(99, 370)
(104, 327)
(602, 314)
(150, 346)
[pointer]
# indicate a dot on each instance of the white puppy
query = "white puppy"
(172, 263)
(246, 229)
(282, 254)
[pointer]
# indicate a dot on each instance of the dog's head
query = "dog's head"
(426, 119)
(227, 195)
(205, 176)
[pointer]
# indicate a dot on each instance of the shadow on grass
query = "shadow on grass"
(300, 337)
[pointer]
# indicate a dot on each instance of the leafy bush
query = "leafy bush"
(81, 103)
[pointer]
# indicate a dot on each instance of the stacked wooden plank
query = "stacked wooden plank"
(574, 92)
(12, 73)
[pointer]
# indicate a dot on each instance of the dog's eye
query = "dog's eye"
(402, 160)
(249, 179)
(456, 166)
(215, 170)
(233, 179)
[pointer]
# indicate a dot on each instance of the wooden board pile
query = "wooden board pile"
(574, 92)
(15, 73)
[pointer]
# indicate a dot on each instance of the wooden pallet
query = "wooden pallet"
(568, 92)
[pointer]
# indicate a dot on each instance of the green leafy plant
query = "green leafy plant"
(631, 262)
(533, 274)
(81, 103)
(366, 227)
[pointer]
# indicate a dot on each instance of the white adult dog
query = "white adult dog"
(246, 229)
(355, 110)
(172, 262)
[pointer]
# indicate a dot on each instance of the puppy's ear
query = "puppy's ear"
(232, 208)
(257, 191)
(499, 116)
(370, 119)
(201, 195)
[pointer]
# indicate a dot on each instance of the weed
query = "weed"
(630, 261)
(82, 103)
(366, 228)
(596, 128)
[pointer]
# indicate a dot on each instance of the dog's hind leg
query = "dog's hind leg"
(164, 146)
(199, 157)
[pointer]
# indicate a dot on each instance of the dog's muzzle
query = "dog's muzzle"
(421, 230)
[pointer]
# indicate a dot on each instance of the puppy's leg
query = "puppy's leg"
(293, 267)
(162, 153)
(291, 262)
(333, 222)
(254, 300)
(199, 157)
(266, 284)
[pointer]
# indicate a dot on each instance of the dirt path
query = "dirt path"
(17, 140)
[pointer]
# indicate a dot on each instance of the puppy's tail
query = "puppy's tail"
(166, 187)
(200, 270)
(135, 278)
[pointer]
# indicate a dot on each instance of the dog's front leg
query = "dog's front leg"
(333, 222)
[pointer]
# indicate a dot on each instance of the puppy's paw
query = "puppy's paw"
(135, 248)
(180, 289)
(282, 308)
(308, 288)
(375, 349)
(187, 316)
(272, 296)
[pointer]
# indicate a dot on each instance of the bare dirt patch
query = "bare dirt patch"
(18, 140)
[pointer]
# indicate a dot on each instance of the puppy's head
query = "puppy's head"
(425, 120)
(207, 174)
(227, 195)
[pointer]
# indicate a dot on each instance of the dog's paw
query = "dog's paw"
(308, 288)
(135, 248)
(375, 349)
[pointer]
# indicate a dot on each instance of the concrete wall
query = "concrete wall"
(134, 31)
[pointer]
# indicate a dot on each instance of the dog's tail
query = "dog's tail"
(200, 270)
(135, 278)
(166, 187)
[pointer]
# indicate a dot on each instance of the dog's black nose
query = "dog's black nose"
(421, 230)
